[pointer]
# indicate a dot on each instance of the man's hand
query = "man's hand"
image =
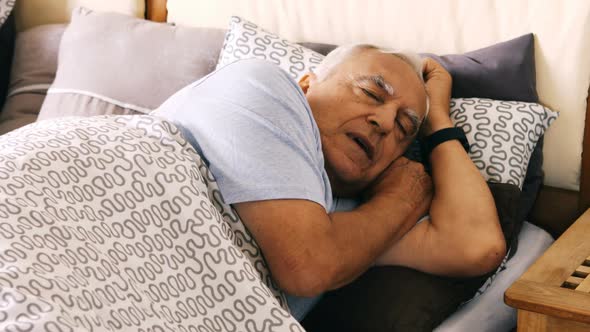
(438, 85)
(406, 182)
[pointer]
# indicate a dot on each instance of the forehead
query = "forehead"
(395, 71)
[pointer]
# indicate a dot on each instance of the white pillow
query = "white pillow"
(502, 134)
(245, 40)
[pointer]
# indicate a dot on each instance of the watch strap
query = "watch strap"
(441, 136)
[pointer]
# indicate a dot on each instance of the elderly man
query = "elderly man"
(315, 168)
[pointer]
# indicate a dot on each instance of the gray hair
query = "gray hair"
(341, 53)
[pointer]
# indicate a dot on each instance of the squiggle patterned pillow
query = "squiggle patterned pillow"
(502, 134)
(5, 9)
(245, 40)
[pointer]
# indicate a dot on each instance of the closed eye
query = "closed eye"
(372, 95)
(401, 127)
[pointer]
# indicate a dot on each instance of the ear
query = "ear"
(306, 81)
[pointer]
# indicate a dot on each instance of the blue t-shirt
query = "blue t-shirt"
(252, 125)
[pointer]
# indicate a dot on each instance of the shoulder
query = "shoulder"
(256, 68)
(265, 89)
(262, 76)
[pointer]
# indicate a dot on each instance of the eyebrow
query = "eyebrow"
(380, 82)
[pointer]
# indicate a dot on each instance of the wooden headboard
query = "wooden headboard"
(555, 208)
(155, 10)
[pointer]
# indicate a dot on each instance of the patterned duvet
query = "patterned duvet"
(115, 224)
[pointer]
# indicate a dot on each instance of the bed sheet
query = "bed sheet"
(488, 312)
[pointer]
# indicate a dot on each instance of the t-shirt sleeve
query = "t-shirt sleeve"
(253, 126)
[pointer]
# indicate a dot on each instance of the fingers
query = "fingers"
(428, 66)
(400, 161)
(431, 68)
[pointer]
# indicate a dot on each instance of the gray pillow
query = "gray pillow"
(116, 64)
(33, 70)
(503, 71)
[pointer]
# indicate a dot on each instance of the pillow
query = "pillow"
(245, 40)
(5, 10)
(115, 64)
(33, 70)
(502, 134)
(504, 71)
(6, 47)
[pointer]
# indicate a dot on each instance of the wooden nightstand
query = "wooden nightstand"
(554, 293)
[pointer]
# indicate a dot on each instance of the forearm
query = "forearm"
(462, 205)
(309, 251)
(358, 237)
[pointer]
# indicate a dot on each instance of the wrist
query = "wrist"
(436, 122)
(430, 142)
(388, 200)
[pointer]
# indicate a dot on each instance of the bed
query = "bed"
(562, 81)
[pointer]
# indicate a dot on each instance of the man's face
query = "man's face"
(368, 112)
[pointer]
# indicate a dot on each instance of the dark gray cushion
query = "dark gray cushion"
(504, 71)
(7, 32)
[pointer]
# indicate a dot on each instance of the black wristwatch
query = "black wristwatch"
(441, 136)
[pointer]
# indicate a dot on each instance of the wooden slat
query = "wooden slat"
(156, 10)
(549, 300)
(582, 271)
(573, 282)
(564, 256)
(584, 286)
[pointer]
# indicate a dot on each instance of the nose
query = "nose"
(384, 119)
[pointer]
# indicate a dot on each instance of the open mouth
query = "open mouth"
(363, 143)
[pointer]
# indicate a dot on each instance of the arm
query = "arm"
(463, 236)
(310, 251)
